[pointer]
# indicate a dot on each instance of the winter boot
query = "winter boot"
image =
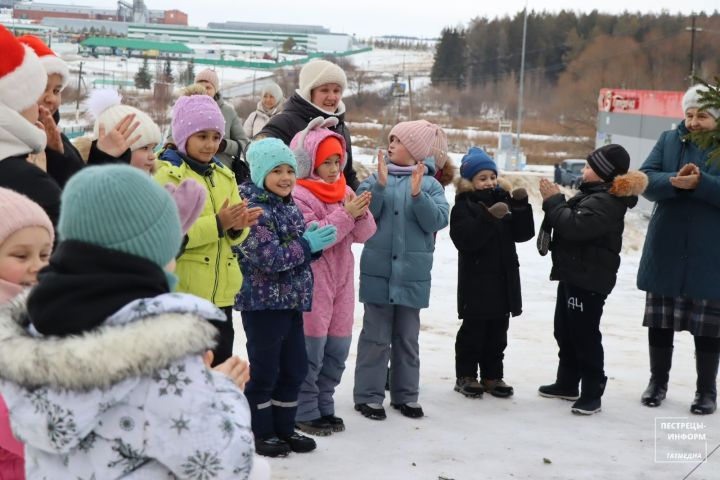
(271, 447)
(660, 363)
(410, 410)
(318, 427)
(469, 386)
(705, 401)
(299, 443)
(373, 411)
(589, 401)
(498, 388)
(336, 423)
(565, 386)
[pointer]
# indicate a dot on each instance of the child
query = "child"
(485, 223)
(275, 259)
(118, 385)
(207, 267)
(409, 205)
(586, 243)
(26, 238)
(323, 197)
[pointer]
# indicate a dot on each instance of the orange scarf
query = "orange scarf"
(326, 192)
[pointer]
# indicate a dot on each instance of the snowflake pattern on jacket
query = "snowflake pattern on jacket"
(274, 258)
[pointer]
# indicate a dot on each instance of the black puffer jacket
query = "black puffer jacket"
(62, 166)
(588, 229)
(296, 115)
(488, 267)
(16, 173)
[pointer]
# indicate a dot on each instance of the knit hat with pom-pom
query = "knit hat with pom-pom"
(106, 107)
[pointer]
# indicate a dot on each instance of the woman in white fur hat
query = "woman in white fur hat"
(269, 105)
(322, 84)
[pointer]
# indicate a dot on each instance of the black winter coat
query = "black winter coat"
(16, 173)
(488, 267)
(62, 166)
(297, 113)
(587, 234)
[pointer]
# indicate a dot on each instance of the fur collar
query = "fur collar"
(463, 185)
(632, 184)
(98, 358)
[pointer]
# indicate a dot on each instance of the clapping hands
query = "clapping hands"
(687, 178)
(357, 206)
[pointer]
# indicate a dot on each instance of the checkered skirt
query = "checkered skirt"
(699, 317)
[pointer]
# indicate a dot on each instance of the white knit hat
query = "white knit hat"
(691, 99)
(22, 76)
(273, 89)
(320, 72)
(48, 58)
(104, 105)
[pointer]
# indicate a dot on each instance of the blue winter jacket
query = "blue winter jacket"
(681, 255)
(396, 262)
(274, 258)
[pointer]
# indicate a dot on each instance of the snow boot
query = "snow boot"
(410, 410)
(318, 427)
(565, 386)
(660, 363)
(373, 411)
(271, 447)
(469, 386)
(498, 388)
(336, 423)
(589, 401)
(299, 443)
(705, 401)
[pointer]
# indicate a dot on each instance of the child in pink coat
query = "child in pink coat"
(324, 198)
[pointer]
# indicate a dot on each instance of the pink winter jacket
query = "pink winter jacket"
(335, 270)
(12, 466)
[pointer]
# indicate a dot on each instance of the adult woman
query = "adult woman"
(680, 265)
(321, 87)
(269, 105)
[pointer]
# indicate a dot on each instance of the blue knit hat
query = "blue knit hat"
(476, 160)
(121, 208)
(266, 154)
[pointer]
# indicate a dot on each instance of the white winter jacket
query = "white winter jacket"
(130, 399)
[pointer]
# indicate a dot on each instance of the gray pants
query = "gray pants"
(385, 326)
(326, 363)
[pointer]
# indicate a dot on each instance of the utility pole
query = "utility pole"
(692, 30)
(522, 82)
(410, 99)
(77, 100)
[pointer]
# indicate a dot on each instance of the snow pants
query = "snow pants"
(481, 342)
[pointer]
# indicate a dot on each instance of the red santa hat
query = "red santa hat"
(22, 76)
(48, 58)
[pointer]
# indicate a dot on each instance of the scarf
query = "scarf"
(326, 192)
(17, 135)
(400, 170)
(85, 284)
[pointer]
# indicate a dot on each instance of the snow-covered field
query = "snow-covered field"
(525, 437)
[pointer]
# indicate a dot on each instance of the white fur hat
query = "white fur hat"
(105, 106)
(320, 72)
(48, 58)
(22, 76)
(273, 89)
(691, 99)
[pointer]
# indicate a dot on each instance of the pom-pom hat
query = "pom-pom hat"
(106, 107)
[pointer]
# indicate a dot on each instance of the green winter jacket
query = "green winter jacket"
(208, 267)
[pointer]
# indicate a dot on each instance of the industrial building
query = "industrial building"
(125, 12)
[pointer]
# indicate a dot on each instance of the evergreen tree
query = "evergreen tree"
(143, 79)
(288, 44)
(190, 72)
(711, 138)
(167, 72)
(450, 59)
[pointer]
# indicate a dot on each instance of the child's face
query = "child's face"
(326, 97)
(208, 87)
(398, 154)
(51, 98)
(203, 145)
(280, 180)
(484, 179)
(144, 158)
(329, 170)
(268, 101)
(699, 121)
(589, 175)
(23, 254)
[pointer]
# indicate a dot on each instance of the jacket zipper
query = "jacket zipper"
(208, 177)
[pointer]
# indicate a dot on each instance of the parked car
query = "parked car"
(571, 172)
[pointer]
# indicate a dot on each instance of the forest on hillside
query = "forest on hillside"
(569, 57)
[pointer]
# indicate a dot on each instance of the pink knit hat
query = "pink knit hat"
(208, 75)
(193, 114)
(18, 211)
(422, 139)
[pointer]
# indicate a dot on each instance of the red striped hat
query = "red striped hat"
(22, 76)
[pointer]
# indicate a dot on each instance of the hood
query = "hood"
(271, 111)
(310, 145)
(632, 184)
(17, 135)
(91, 372)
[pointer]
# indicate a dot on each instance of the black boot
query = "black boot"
(705, 401)
(660, 363)
(589, 401)
(565, 386)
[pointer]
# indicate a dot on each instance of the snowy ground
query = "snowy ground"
(525, 437)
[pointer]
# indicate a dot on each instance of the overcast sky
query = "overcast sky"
(423, 18)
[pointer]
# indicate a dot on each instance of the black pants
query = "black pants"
(663, 338)
(481, 342)
(226, 335)
(577, 331)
